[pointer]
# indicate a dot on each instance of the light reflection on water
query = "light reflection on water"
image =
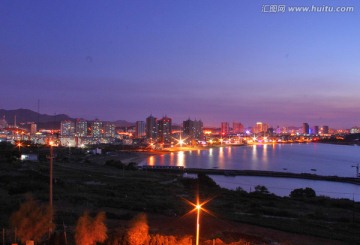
(322, 159)
(151, 161)
(181, 159)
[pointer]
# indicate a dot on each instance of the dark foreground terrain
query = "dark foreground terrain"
(98, 183)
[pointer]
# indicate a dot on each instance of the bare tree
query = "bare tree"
(90, 230)
(138, 232)
(32, 221)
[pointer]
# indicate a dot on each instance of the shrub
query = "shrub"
(303, 193)
(90, 230)
(32, 220)
(261, 189)
(138, 232)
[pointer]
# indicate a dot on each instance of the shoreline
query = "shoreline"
(143, 156)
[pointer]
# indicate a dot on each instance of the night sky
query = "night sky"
(217, 61)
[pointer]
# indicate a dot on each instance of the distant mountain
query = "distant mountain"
(44, 121)
(123, 123)
(26, 115)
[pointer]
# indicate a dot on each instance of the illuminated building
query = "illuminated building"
(354, 130)
(96, 129)
(316, 130)
(33, 128)
(164, 130)
(193, 129)
(67, 128)
(224, 128)
(81, 128)
(109, 130)
(306, 128)
(260, 127)
(325, 129)
(238, 128)
(151, 127)
(140, 129)
(3, 123)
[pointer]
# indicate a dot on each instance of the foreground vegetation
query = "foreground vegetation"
(98, 184)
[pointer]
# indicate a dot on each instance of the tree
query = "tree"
(32, 221)
(303, 193)
(138, 232)
(261, 189)
(90, 230)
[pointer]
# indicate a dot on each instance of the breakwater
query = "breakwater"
(227, 172)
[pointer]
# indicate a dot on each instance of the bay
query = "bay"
(315, 158)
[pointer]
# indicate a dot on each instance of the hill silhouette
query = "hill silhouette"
(44, 121)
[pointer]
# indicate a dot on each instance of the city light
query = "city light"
(180, 141)
(19, 145)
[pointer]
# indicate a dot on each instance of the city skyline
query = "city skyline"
(215, 61)
(234, 125)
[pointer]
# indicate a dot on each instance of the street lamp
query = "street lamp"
(51, 175)
(19, 145)
(198, 207)
(51, 157)
(180, 141)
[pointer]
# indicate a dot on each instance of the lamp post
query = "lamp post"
(198, 208)
(51, 177)
(19, 145)
(51, 158)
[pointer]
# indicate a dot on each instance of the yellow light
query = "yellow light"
(198, 208)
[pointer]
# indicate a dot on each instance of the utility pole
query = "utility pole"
(51, 178)
(357, 170)
(65, 238)
(51, 157)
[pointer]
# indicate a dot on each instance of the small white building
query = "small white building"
(29, 157)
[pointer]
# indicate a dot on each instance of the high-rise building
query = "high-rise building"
(109, 130)
(151, 128)
(306, 128)
(238, 128)
(96, 128)
(325, 130)
(193, 129)
(260, 127)
(81, 128)
(67, 128)
(3, 123)
(354, 130)
(316, 130)
(164, 130)
(33, 128)
(140, 129)
(224, 128)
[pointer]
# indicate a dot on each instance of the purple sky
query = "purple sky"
(210, 60)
